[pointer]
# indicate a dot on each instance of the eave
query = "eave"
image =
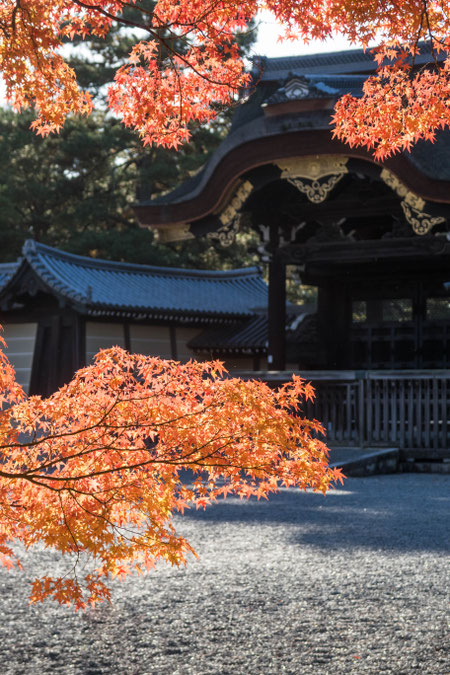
(234, 167)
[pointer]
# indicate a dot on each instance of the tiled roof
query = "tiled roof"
(331, 73)
(247, 336)
(7, 270)
(251, 335)
(101, 285)
(348, 61)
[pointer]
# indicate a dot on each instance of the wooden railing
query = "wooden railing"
(406, 409)
(401, 408)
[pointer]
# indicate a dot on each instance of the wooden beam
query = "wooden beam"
(359, 208)
(344, 252)
(55, 352)
(173, 342)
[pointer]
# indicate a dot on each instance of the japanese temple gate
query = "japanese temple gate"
(372, 238)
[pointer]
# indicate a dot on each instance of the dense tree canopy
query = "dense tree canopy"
(74, 190)
(98, 470)
(186, 61)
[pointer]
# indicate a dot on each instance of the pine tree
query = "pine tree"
(75, 190)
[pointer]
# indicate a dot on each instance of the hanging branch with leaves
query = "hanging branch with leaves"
(98, 470)
(186, 62)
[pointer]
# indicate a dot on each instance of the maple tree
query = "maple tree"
(186, 61)
(74, 190)
(98, 469)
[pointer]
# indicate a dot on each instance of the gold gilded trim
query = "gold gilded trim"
(226, 235)
(175, 233)
(412, 205)
(239, 197)
(420, 222)
(400, 188)
(317, 191)
(312, 167)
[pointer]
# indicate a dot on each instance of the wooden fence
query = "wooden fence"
(407, 409)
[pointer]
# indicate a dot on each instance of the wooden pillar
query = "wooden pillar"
(276, 359)
(59, 351)
(79, 342)
(173, 342)
(54, 356)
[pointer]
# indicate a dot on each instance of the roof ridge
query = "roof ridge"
(32, 248)
(314, 55)
(364, 54)
(357, 77)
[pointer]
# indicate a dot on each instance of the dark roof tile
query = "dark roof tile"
(7, 270)
(102, 284)
(349, 61)
(247, 336)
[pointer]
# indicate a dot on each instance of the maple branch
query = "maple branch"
(34, 476)
(52, 437)
(63, 511)
(17, 6)
(106, 477)
(116, 528)
(65, 458)
(112, 17)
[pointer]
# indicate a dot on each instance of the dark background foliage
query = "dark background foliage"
(75, 190)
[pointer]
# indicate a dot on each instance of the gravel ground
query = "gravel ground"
(354, 582)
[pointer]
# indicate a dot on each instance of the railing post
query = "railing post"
(435, 413)
(277, 312)
(361, 409)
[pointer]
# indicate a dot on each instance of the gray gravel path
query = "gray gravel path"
(356, 582)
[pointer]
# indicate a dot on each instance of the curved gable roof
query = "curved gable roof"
(272, 125)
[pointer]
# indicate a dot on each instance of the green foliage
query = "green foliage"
(58, 188)
(75, 190)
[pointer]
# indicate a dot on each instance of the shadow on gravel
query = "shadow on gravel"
(401, 513)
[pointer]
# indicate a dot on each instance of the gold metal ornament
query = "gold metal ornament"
(317, 191)
(177, 232)
(314, 168)
(239, 197)
(420, 222)
(400, 188)
(226, 235)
